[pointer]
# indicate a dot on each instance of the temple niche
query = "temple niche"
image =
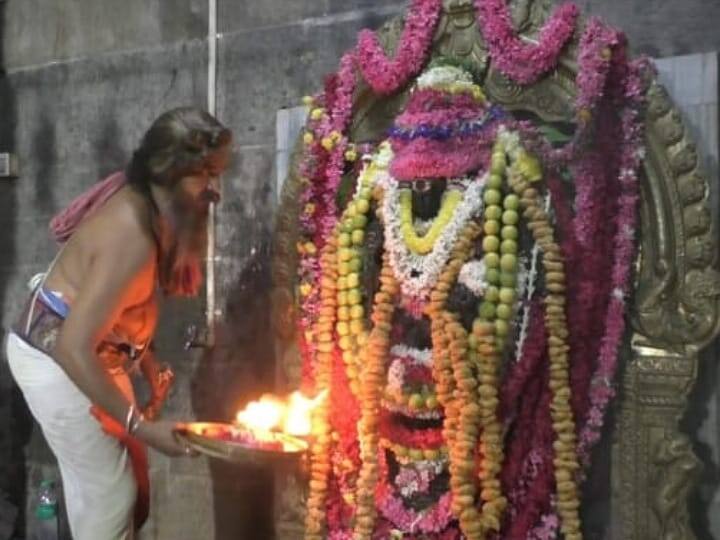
(485, 244)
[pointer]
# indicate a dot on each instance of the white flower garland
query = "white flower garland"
(511, 142)
(380, 160)
(400, 354)
(529, 291)
(445, 76)
(396, 376)
(408, 478)
(421, 357)
(428, 267)
(472, 276)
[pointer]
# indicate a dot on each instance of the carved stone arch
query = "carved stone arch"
(675, 309)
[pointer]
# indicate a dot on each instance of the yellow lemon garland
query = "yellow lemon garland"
(340, 310)
(424, 244)
(490, 330)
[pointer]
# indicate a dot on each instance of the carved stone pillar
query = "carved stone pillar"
(675, 314)
(654, 467)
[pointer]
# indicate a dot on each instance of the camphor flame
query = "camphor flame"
(262, 415)
(292, 415)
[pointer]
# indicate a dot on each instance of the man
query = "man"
(94, 314)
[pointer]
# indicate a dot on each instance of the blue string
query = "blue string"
(443, 133)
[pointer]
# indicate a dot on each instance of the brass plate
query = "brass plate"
(236, 452)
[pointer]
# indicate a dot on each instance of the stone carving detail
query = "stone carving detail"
(290, 506)
(654, 468)
(457, 35)
(551, 99)
(679, 284)
(677, 295)
(677, 470)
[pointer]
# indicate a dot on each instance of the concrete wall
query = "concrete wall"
(84, 78)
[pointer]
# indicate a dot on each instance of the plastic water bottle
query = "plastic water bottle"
(46, 513)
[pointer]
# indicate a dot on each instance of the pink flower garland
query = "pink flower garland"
(521, 61)
(434, 520)
(627, 90)
(431, 520)
(322, 171)
(341, 113)
(632, 154)
(387, 76)
(596, 45)
(547, 530)
(601, 57)
(322, 167)
(339, 101)
(594, 55)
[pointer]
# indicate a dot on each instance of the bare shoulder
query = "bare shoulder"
(122, 228)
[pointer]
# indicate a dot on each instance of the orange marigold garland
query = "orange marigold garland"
(523, 172)
(457, 388)
(320, 451)
(372, 378)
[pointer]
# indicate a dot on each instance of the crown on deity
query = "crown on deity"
(444, 127)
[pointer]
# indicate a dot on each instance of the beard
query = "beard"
(184, 245)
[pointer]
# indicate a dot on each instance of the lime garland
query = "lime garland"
(491, 328)
(404, 455)
(351, 328)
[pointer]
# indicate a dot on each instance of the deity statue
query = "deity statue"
(455, 260)
(436, 248)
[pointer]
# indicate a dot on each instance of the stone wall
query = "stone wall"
(82, 80)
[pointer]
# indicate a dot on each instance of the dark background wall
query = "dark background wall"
(82, 79)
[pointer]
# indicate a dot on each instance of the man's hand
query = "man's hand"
(160, 384)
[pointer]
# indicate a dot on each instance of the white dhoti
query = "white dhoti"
(98, 481)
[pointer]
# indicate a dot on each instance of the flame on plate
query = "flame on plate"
(291, 415)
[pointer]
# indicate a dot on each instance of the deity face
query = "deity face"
(422, 185)
(427, 195)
